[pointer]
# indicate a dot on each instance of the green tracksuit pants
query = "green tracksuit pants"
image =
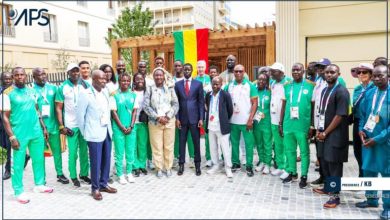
(279, 150)
(206, 141)
(291, 141)
(36, 148)
(124, 145)
(77, 142)
(142, 142)
(190, 144)
(235, 134)
(263, 139)
(55, 145)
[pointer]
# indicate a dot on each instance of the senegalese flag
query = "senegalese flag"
(192, 46)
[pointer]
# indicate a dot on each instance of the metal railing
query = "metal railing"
(53, 78)
(9, 31)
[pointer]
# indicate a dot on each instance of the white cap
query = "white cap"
(72, 66)
(277, 66)
(367, 66)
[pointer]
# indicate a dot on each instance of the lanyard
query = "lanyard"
(380, 102)
(262, 98)
(300, 92)
(323, 108)
(360, 96)
(94, 94)
(215, 107)
(44, 93)
(236, 99)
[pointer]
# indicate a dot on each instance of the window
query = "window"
(9, 29)
(82, 3)
(50, 32)
(83, 34)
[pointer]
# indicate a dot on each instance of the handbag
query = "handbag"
(143, 117)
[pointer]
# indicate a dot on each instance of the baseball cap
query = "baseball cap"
(323, 62)
(277, 66)
(367, 66)
(72, 66)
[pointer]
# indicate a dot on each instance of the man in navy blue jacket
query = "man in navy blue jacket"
(190, 116)
(219, 110)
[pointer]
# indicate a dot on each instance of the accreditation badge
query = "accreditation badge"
(294, 112)
(321, 122)
(45, 111)
(371, 123)
(236, 109)
(273, 108)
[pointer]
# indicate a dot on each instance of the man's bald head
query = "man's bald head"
(120, 66)
(99, 79)
(37, 70)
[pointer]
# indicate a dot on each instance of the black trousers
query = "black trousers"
(319, 158)
(357, 145)
(332, 169)
(195, 133)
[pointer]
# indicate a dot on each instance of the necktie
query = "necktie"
(187, 87)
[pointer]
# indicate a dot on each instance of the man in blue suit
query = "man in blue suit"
(190, 116)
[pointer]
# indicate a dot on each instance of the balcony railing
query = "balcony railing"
(84, 42)
(47, 37)
(7, 31)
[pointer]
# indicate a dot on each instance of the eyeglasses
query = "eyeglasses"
(364, 72)
(238, 71)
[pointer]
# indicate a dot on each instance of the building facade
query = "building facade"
(170, 16)
(346, 32)
(76, 31)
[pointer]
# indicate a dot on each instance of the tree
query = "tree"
(62, 60)
(131, 23)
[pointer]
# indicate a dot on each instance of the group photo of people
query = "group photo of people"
(120, 125)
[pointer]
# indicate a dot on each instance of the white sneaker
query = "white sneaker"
(159, 174)
(213, 169)
(169, 173)
(130, 178)
(276, 172)
(284, 175)
(260, 167)
(43, 189)
(23, 198)
(271, 168)
(266, 170)
(122, 180)
(192, 163)
(359, 195)
(175, 163)
(209, 163)
(229, 173)
(151, 165)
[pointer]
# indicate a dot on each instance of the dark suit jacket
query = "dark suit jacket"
(191, 107)
(225, 110)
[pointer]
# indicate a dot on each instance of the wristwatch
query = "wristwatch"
(323, 133)
(13, 137)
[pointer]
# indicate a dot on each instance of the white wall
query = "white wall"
(67, 15)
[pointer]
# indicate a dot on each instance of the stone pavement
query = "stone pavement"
(187, 196)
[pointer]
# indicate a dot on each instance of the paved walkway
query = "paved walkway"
(187, 196)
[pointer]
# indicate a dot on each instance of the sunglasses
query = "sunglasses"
(364, 72)
(238, 71)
